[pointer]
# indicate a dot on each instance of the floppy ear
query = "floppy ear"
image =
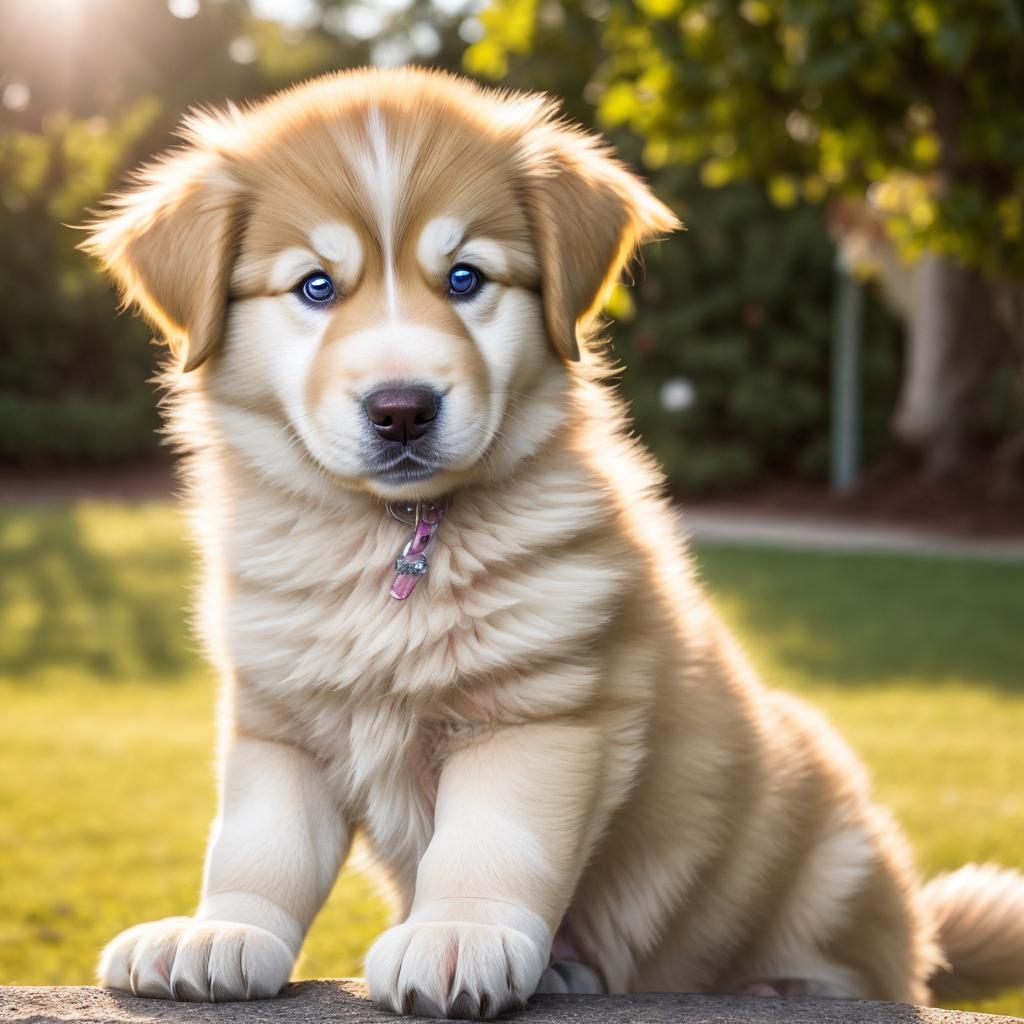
(589, 215)
(170, 244)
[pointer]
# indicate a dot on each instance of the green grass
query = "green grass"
(105, 766)
(106, 783)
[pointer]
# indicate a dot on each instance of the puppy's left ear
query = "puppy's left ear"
(589, 215)
(169, 245)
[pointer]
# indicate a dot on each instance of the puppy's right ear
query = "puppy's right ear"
(589, 215)
(170, 244)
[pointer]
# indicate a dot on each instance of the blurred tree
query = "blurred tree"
(85, 95)
(89, 90)
(906, 116)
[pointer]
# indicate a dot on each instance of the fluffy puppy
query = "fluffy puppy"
(378, 289)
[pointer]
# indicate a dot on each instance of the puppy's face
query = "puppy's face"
(389, 268)
(387, 304)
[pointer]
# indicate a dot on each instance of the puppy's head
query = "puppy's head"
(391, 268)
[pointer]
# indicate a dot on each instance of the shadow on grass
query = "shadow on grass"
(97, 588)
(856, 620)
(102, 589)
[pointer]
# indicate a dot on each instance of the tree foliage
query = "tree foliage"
(914, 104)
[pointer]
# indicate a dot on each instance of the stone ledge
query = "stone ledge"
(344, 1002)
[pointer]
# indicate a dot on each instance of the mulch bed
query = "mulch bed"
(967, 505)
(150, 480)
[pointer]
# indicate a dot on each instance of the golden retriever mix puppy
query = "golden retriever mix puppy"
(451, 609)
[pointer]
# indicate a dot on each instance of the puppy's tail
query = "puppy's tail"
(979, 913)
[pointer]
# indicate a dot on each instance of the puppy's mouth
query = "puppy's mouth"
(404, 468)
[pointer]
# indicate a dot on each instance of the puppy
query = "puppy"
(449, 606)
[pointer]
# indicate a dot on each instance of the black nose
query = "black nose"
(402, 414)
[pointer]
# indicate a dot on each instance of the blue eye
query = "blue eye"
(317, 289)
(463, 281)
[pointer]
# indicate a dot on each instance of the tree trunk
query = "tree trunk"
(952, 337)
(957, 325)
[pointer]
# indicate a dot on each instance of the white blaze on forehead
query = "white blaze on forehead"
(380, 174)
(338, 244)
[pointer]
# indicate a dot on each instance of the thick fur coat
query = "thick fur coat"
(553, 747)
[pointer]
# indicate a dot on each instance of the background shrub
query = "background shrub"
(740, 309)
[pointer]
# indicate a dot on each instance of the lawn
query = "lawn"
(105, 780)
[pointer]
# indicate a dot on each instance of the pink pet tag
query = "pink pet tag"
(411, 565)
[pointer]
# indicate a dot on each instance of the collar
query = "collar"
(425, 519)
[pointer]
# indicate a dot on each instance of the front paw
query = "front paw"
(453, 969)
(201, 961)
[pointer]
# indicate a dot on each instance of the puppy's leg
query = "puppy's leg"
(273, 856)
(515, 819)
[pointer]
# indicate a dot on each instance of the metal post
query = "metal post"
(846, 343)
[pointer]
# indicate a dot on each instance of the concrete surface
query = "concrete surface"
(813, 534)
(344, 1002)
